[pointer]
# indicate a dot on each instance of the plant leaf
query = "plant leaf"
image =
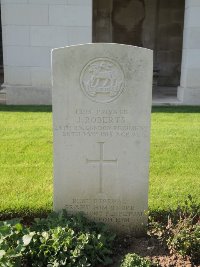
(27, 239)
(2, 253)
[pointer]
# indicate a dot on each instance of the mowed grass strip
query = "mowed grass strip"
(175, 156)
(25, 160)
(26, 168)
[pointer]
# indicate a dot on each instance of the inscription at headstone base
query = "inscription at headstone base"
(101, 118)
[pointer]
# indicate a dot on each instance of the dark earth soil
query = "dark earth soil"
(151, 249)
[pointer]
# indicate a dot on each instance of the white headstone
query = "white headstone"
(101, 116)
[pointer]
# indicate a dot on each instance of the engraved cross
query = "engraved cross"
(101, 161)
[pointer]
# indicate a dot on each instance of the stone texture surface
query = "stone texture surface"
(17, 76)
(31, 28)
(27, 95)
(65, 15)
(101, 113)
(189, 90)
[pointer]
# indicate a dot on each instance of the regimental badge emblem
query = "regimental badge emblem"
(102, 80)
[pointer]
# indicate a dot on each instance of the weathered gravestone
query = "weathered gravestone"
(101, 113)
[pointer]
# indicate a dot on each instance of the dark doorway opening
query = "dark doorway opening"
(154, 24)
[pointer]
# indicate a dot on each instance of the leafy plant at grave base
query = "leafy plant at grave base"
(185, 239)
(10, 248)
(59, 240)
(134, 260)
(181, 232)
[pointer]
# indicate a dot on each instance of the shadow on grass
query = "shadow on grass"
(166, 109)
(26, 215)
(190, 207)
(176, 109)
(4, 108)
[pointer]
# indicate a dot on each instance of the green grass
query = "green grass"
(26, 158)
(175, 156)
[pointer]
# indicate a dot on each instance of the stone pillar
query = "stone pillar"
(189, 90)
(31, 29)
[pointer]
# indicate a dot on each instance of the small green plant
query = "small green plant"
(59, 240)
(134, 260)
(11, 246)
(185, 238)
(181, 231)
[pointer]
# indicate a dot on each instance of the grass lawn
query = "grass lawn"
(26, 158)
(175, 156)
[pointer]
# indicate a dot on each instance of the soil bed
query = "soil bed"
(151, 249)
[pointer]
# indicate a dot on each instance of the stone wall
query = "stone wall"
(189, 90)
(1, 54)
(154, 24)
(31, 28)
